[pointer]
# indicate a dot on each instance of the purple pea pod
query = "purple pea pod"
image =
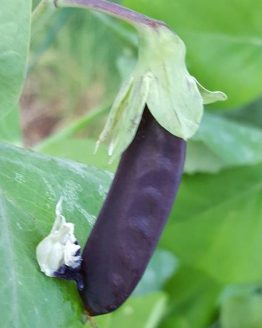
(132, 218)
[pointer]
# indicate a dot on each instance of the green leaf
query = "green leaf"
(199, 158)
(250, 114)
(216, 225)
(30, 186)
(223, 42)
(215, 232)
(241, 307)
(15, 17)
(193, 299)
(140, 312)
(220, 143)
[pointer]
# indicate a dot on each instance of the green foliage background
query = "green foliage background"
(207, 271)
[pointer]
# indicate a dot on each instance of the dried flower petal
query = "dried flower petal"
(60, 247)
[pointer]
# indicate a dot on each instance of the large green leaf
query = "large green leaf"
(217, 226)
(223, 41)
(220, 143)
(30, 185)
(215, 231)
(15, 18)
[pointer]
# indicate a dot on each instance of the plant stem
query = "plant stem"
(112, 9)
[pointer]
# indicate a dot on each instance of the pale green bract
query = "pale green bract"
(161, 81)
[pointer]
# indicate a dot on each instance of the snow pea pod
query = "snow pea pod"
(132, 218)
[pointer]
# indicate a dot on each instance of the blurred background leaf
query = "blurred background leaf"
(162, 266)
(192, 298)
(241, 306)
(14, 44)
(250, 114)
(221, 142)
(140, 312)
(223, 218)
(215, 232)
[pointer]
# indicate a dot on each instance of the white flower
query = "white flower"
(161, 81)
(59, 247)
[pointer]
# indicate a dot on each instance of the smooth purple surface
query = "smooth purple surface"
(133, 216)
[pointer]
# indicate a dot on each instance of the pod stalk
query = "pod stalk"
(112, 9)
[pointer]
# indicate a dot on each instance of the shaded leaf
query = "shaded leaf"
(249, 115)
(220, 143)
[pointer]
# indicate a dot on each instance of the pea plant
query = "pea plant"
(158, 222)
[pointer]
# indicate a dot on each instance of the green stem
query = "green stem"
(75, 127)
(112, 9)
